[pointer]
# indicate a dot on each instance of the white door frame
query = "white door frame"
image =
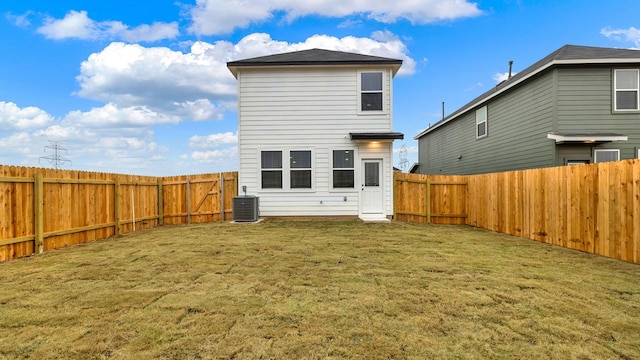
(372, 195)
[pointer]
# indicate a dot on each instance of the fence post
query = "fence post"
(38, 212)
(116, 205)
(188, 200)
(222, 197)
(395, 198)
(160, 203)
(428, 210)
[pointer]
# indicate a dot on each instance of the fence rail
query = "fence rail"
(593, 208)
(44, 209)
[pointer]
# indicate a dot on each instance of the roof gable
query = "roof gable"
(566, 55)
(314, 57)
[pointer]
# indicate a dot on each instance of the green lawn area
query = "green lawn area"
(297, 289)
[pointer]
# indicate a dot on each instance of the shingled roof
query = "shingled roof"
(313, 57)
(566, 55)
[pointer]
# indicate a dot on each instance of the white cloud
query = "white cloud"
(112, 116)
(158, 77)
(143, 87)
(13, 118)
(20, 20)
(500, 77)
(381, 43)
(212, 156)
(223, 16)
(213, 140)
(631, 35)
(78, 25)
(194, 84)
(198, 110)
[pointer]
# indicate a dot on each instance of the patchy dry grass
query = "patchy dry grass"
(318, 289)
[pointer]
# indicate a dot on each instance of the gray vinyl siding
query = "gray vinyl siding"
(517, 127)
(565, 99)
(585, 104)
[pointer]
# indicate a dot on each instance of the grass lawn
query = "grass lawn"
(286, 289)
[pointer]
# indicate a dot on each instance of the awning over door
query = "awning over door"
(586, 138)
(376, 136)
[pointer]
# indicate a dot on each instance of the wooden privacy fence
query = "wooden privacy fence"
(44, 209)
(593, 208)
(430, 199)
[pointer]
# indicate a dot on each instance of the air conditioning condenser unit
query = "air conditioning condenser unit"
(245, 208)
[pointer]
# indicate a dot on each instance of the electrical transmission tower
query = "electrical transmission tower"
(55, 157)
(404, 163)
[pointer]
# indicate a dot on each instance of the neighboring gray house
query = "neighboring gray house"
(315, 133)
(577, 105)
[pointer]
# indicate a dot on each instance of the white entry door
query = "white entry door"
(372, 195)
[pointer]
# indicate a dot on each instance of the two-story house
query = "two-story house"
(577, 105)
(315, 133)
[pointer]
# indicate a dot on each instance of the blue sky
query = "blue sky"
(142, 87)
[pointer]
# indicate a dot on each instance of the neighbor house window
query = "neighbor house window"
(604, 155)
(626, 90)
(300, 169)
(481, 122)
(271, 166)
(371, 91)
(343, 174)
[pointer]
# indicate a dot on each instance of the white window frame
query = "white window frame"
(286, 170)
(384, 92)
(616, 89)
(261, 169)
(292, 169)
(332, 168)
(595, 151)
(638, 153)
(483, 119)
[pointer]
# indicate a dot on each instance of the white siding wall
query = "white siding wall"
(308, 110)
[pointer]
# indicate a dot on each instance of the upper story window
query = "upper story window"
(626, 90)
(371, 91)
(481, 122)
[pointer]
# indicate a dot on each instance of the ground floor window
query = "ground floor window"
(300, 165)
(604, 155)
(277, 173)
(271, 164)
(343, 170)
(577, 162)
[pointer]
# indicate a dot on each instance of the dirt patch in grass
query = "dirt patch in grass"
(318, 289)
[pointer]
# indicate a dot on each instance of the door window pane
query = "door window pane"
(371, 174)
